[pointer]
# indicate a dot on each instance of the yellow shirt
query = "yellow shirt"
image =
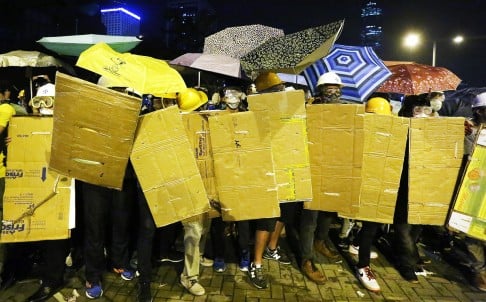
(6, 112)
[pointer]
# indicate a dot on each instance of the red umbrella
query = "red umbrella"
(414, 78)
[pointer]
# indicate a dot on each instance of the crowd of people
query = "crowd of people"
(104, 236)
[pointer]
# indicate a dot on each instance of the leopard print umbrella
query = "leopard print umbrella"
(294, 52)
(237, 41)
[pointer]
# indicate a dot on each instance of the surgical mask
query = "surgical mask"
(232, 102)
(436, 105)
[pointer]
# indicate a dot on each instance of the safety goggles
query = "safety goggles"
(42, 101)
(422, 110)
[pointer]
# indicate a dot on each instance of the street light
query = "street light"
(412, 40)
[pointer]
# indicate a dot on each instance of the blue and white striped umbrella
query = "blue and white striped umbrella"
(360, 69)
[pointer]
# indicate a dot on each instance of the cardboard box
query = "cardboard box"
(385, 138)
(245, 175)
(469, 210)
(164, 162)
(93, 132)
(436, 151)
(197, 128)
(286, 117)
(36, 200)
(335, 134)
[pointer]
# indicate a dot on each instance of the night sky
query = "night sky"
(438, 20)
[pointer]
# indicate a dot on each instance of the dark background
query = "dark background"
(435, 20)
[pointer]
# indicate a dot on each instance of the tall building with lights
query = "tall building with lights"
(371, 25)
(120, 22)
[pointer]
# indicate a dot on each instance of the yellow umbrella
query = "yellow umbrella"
(144, 74)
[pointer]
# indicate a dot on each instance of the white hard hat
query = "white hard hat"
(48, 89)
(479, 100)
(329, 78)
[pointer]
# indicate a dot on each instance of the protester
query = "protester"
(363, 241)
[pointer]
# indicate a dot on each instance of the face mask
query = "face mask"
(436, 105)
(46, 111)
(331, 98)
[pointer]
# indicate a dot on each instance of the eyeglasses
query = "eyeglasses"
(42, 101)
(422, 109)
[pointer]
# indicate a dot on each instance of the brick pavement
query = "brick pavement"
(286, 284)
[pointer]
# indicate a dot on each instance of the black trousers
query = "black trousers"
(107, 210)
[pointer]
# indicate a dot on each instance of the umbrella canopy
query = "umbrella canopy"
(237, 41)
(414, 78)
(294, 52)
(26, 58)
(359, 67)
(146, 75)
(76, 44)
(216, 63)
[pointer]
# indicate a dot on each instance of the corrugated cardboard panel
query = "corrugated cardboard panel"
(36, 200)
(436, 150)
(335, 142)
(243, 164)
(286, 116)
(164, 162)
(197, 128)
(385, 137)
(93, 132)
(469, 210)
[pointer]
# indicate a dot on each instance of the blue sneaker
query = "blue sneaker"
(93, 290)
(244, 260)
(219, 266)
(125, 274)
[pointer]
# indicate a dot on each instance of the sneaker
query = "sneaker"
(144, 294)
(206, 262)
(368, 279)
(125, 274)
(93, 290)
(172, 256)
(256, 276)
(354, 249)
(219, 266)
(276, 254)
(244, 261)
(192, 286)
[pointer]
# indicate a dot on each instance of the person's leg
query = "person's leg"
(146, 231)
(263, 229)
(122, 205)
(96, 201)
(308, 224)
(322, 243)
(192, 235)
(405, 250)
(243, 228)
(365, 240)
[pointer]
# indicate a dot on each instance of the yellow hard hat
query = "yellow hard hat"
(267, 80)
(190, 99)
(378, 105)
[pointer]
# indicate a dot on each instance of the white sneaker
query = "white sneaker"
(192, 286)
(206, 262)
(353, 249)
(367, 278)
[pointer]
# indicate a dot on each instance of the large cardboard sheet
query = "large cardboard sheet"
(245, 175)
(469, 211)
(93, 131)
(36, 200)
(286, 116)
(436, 151)
(164, 162)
